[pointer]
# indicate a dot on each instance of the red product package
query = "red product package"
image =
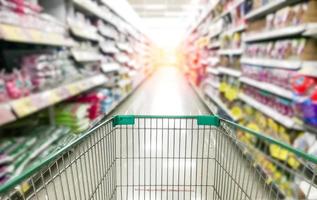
(302, 84)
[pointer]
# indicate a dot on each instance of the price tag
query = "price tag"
(23, 107)
(12, 33)
(36, 36)
(73, 89)
(54, 97)
(56, 39)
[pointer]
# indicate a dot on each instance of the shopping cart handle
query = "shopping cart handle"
(123, 120)
(205, 120)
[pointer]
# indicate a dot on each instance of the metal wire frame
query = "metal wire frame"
(164, 159)
(158, 158)
(262, 188)
(86, 170)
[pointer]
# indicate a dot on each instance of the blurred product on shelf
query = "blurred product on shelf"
(29, 146)
(279, 77)
(306, 100)
(73, 115)
(291, 49)
(28, 15)
(281, 105)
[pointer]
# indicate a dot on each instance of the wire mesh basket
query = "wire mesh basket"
(168, 157)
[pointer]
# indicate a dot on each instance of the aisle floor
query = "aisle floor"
(166, 92)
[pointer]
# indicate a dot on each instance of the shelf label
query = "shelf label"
(73, 89)
(14, 33)
(36, 36)
(23, 107)
(55, 97)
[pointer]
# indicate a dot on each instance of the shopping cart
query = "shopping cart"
(168, 157)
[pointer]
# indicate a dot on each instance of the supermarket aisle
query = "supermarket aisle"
(166, 92)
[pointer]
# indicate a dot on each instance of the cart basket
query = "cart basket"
(169, 157)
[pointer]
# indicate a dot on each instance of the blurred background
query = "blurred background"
(68, 65)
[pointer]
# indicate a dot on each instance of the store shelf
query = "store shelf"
(203, 16)
(212, 84)
(85, 56)
(286, 64)
(270, 112)
(84, 33)
(127, 13)
(214, 34)
(230, 52)
(123, 83)
(269, 8)
(232, 7)
(106, 33)
(108, 49)
(309, 69)
(90, 8)
(33, 103)
(110, 67)
(268, 87)
(236, 29)
(215, 45)
(122, 58)
(116, 104)
(304, 29)
(228, 71)
(213, 60)
(213, 70)
(13, 33)
(213, 108)
(209, 8)
(222, 106)
(125, 47)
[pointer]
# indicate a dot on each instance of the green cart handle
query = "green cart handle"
(213, 120)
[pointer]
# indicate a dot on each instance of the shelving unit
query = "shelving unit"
(235, 29)
(213, 71)
(84, 34)
(268, 87)
(239, 43)
(28, 105)
(212, 108)
(14, 33)
(286, 121)
(86, 56)
(77, 66)
(228, 71)
(286, 64)
(269, 8)
(274, 34)
(221, 105)
(230, 52)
